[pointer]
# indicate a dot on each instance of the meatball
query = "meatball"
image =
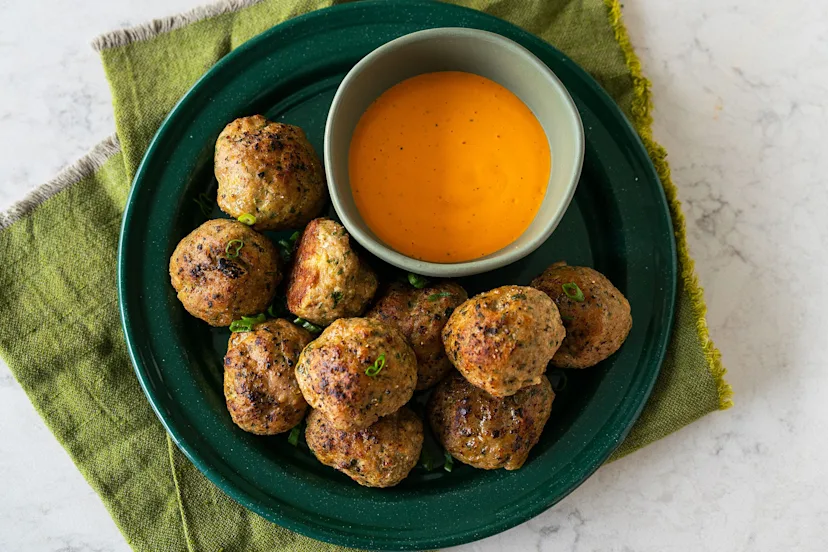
(268, 170)
(328, 279)
(489, 432)
(596, 315)
(223, 270)
(356, 371)
(380, 455)
(259, 383)
(420, 315)
(502, 340)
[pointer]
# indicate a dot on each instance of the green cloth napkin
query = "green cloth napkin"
(61, 334)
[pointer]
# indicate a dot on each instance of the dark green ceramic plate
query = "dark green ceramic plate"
(618, 223)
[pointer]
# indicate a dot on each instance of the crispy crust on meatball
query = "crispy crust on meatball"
(502, 340)
(421, 314)
(268, 170)
(380, 455)
(218, 287)
(595, 327)
(489, 432)
(332, 372)
(260, 387)
(328, 279)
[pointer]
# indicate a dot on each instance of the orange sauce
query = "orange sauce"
(448, 167)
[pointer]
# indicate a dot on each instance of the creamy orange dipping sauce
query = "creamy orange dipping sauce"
(448, 167)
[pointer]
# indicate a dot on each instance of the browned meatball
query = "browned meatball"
(356, 371)
(489, 432)
(501, 340)
(259, 383)
(268, 170)
(223, 270)
(380, 455)
(420, 315)
(328, 279)
(597, 323)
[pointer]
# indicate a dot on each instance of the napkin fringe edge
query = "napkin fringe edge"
(67, 177)
(155, 27)
(642, 106)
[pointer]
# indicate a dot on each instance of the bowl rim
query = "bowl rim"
(500, 258)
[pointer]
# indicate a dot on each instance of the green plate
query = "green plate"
(618, 223)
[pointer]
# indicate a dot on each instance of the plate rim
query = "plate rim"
(209, 470)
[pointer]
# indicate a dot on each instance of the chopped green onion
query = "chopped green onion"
(417, 281)
(310, 326)
(246, 323)
(233, 248)
(449, 465)
(287, 246)
(293, 438)
(337, 297)
(436, 296)
(247, 219)
(567, 317)
(573, 292)
(373, 370)
(426, 460)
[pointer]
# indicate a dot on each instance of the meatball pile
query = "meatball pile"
(348, 363)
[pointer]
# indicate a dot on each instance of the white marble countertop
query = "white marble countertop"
(740, 88)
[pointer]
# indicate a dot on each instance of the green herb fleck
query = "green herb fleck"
(373, 370)
(233, 248)
(310, 326)
(246, 323)
(436, 296)
(449, 465)
(426, 460)
(573, 292)
(293, 438)
(337, 297)
(417, 281)
(519, 296)
(287, 246)
(567, 317)
(247, 219)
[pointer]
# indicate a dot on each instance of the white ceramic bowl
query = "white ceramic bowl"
(473, 51)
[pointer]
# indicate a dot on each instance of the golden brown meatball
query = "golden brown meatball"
(489, 432)
(501, 340)
(356, 371)
(259, 382)
(420, 315)
(223, 270)
(597, 319)
(328, 279)
(380, 455)
(268, 170)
